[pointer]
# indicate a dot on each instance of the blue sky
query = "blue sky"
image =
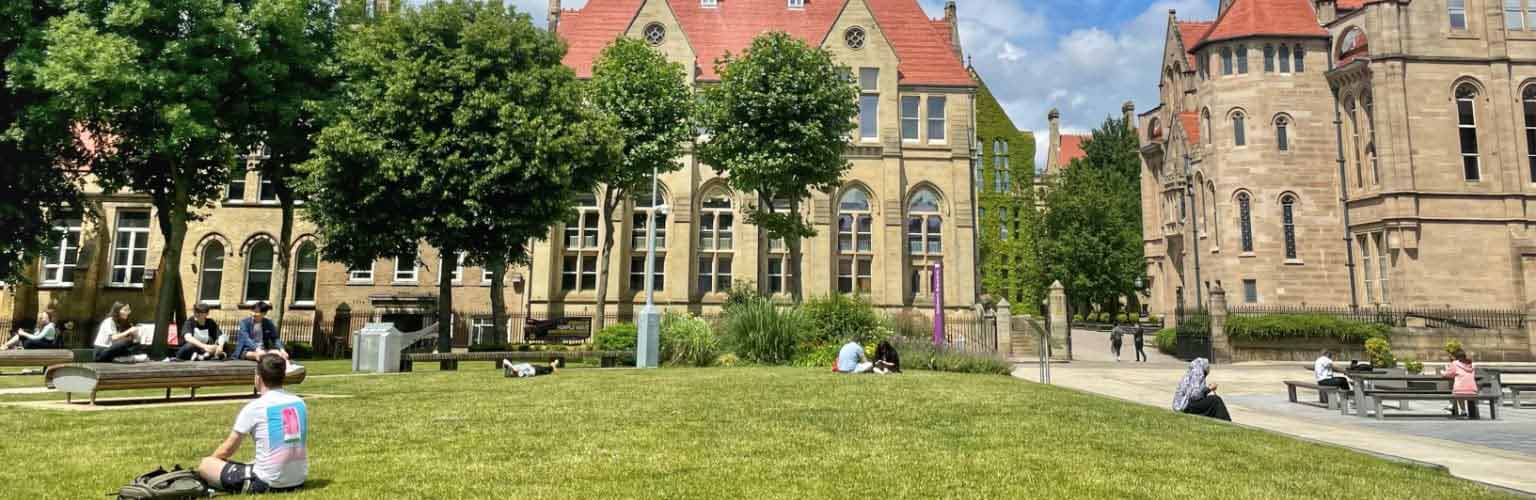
(1084, 57)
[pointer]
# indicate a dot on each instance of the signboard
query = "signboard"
(572, 325)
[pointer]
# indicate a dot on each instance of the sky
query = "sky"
(1083, 57)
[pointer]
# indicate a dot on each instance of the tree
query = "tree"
(292, 78)
(457, 125)
(38, 148)
(158, 83)
(1091, 232)
(778, 124)
(648, 99)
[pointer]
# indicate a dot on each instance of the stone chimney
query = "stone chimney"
(954, 27)
(1128, 111)
(1053, 144)
(1327, 11)
(554, 16)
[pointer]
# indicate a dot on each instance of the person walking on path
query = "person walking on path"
(1116, 338)
(1195, 397)
(1137, 337)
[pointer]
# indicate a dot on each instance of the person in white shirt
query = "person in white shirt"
(200, 337)
(279, 423)
(118, 338)
(1323, 370)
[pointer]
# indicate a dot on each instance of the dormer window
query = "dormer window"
(709, 3)
(797, 4)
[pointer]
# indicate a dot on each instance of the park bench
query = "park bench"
(606, 358)
(1514, 388)
(42, 358)
(1327, 395)
(1370, 394)
(90, 378)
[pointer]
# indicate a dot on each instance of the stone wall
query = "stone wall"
(1424, 344)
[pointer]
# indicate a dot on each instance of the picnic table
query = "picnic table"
(1370, 391)
(1514, 388)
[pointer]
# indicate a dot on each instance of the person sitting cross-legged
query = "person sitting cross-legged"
(278, 422)
(887, 360)
(258, 336)
(200, 337)
(1195, 397)
(851, 358)
(46, 336)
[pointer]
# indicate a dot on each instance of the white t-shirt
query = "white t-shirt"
(279, 422)
(1323, 368)
(105, 333)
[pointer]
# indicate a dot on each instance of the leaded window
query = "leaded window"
(855, 242)
(1282, 141)
(1288, 221)
(1466, 128)
(717, 242)
(1245, 220)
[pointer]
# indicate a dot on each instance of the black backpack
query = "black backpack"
(160, 483)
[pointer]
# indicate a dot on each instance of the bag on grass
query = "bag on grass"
(160, 483)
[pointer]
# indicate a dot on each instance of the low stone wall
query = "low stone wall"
(1424, 344)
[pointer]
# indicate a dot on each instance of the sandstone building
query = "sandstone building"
(905, 206)
(1344, 153)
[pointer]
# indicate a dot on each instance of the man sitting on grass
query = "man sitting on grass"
(279, 422)
(851, 358)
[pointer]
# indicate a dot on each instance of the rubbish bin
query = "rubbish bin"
(376, 348)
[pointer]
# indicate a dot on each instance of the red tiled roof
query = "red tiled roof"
(1191, 124)
(1191, 32)
(1264, 17)
(1071, 148)
(924, 49)
(1349, 4)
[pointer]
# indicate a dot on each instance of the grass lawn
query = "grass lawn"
(717, 433)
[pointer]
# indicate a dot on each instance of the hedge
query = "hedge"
(1282, 326)
(1167, 341)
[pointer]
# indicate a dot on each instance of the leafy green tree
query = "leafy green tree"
(777, 124)
(648, 98)
(1091, 232)
(36, 143)
(292, 78)
(457, 125)
(158, 83)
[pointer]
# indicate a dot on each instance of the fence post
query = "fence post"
(1004, 325)
(1058, 314)
(1221, 346)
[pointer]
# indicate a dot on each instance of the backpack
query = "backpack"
(160, 483)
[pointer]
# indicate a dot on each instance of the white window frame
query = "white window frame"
(858, 271)
(455, 275)
(203, 277)
(263, 185)
(581, 243)
(407, 278)
(709, 4)
(299, 269)
(1454, 8)
(485, 276)
(797, 4)
(1364, 239)
(914, 119)
(137, 241)
(479, 327)
(1476, 154)
(640, 219)
(66, 253)
(942, 121)
(245, 291)
(1382, 265)
(236, 177)
(869, 93)
(359, 276)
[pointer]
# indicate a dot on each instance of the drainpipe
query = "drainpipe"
(1338, 135)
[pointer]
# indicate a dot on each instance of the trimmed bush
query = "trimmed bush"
(1196, 325)
(617, 337)
(1281, 326)
(686, 340)
(1167, 341)
(299, 349)
(836, 318)
(761, 332)
(921, 354)
(1451, 346)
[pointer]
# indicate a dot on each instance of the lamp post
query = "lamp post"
(647, 350)
(1189, 187)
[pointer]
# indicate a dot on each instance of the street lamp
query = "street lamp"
(647, 349)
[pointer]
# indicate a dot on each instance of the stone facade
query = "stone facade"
(1006, 174)
(1424, 226)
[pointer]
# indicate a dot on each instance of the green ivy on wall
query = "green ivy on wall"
(1009, 265)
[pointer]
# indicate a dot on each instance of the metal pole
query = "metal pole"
(647, 348)
(650, 250)
(1189, 186)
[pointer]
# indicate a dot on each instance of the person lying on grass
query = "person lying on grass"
(521, 370)
(851, 358)
(279, 423)
(257, 336)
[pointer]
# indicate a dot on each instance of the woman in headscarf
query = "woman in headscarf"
(1195, 397)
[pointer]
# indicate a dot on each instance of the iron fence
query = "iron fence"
(1427, 317)
(966, 331)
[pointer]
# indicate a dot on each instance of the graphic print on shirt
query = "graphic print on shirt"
(287, 432)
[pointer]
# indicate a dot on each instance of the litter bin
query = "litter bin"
(376, 348)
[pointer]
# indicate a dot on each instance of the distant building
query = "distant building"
(1061, 149)
(1006, 172)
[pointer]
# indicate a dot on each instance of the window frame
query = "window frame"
(1226, 61)
(236, 177)
(1288, 226)
(942, 120)
(66, 251)
(859, 229)
(914, 120)
(1245, 222)
(641, 210)
(357, 276)
(1528, 112)
(869, 95)
(263, 185)
(299, 270)
(134, 237)
(1239, 129)
(415, 273)
(1454, 8)
(579, 246)
(1282, 133)
(1241, 55)
(1472, 172)
(204, 280)
(246, 295)
(1284, 57)
(1269, 58)
(1250, 291)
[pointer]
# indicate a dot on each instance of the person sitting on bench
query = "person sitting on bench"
(118, 338)
(279, 423)
(886, 358)
(1195, 397)
(1464, 384)
(257, 335)
(46, 337)
(521, 370)
(1323, 370)
(200, 337)
(851, 358)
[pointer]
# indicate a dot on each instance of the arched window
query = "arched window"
(1288, 222)
(1285, 58)
(304, 272)
(1354, 140)
(1528, 99)
(717, 241)
(777, 257)
(1370, 137)
(1239, 137)
(258, 272)
(1466, 127)
(639, 242)
(855, 242)
(1297, 55)
(578, 266)
(1205, 124)
(1226, 61)
(212, 273)
(1282, 133)
(1242, 59)
(924, 243)
(1269, 58)
(1245, 220)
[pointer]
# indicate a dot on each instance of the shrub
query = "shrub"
(299, 349)
(741, 292)
(1167, 341)
(617, 337)
(836, 318)
(909, 324)
(1077, 318)
(489, 347)
(1412, 365)
(1380, 352)
(1196, 325)
(760, 332)
(921, 354)
(816, 356)
(1451, 346)
(687, 340)
(1275, 326)
(727, 359)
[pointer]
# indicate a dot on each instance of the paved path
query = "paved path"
(1089, 345)
(1500, 453)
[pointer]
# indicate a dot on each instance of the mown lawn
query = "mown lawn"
(753, 433)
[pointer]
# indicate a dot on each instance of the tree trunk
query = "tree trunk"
(446, 258)
(498, 301)
(168, 271)
(794, 253)
(284, 252)
(609, 204)
(166, 307)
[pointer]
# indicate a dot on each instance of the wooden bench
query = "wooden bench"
(42, 358)
(90, 378)
(1327, 395)
(1377, 397)
(607, 358)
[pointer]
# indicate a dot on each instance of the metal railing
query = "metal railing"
(1429, 317)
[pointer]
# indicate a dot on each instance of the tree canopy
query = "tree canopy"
(1091, 238)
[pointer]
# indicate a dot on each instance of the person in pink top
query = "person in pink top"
(1464, 382)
